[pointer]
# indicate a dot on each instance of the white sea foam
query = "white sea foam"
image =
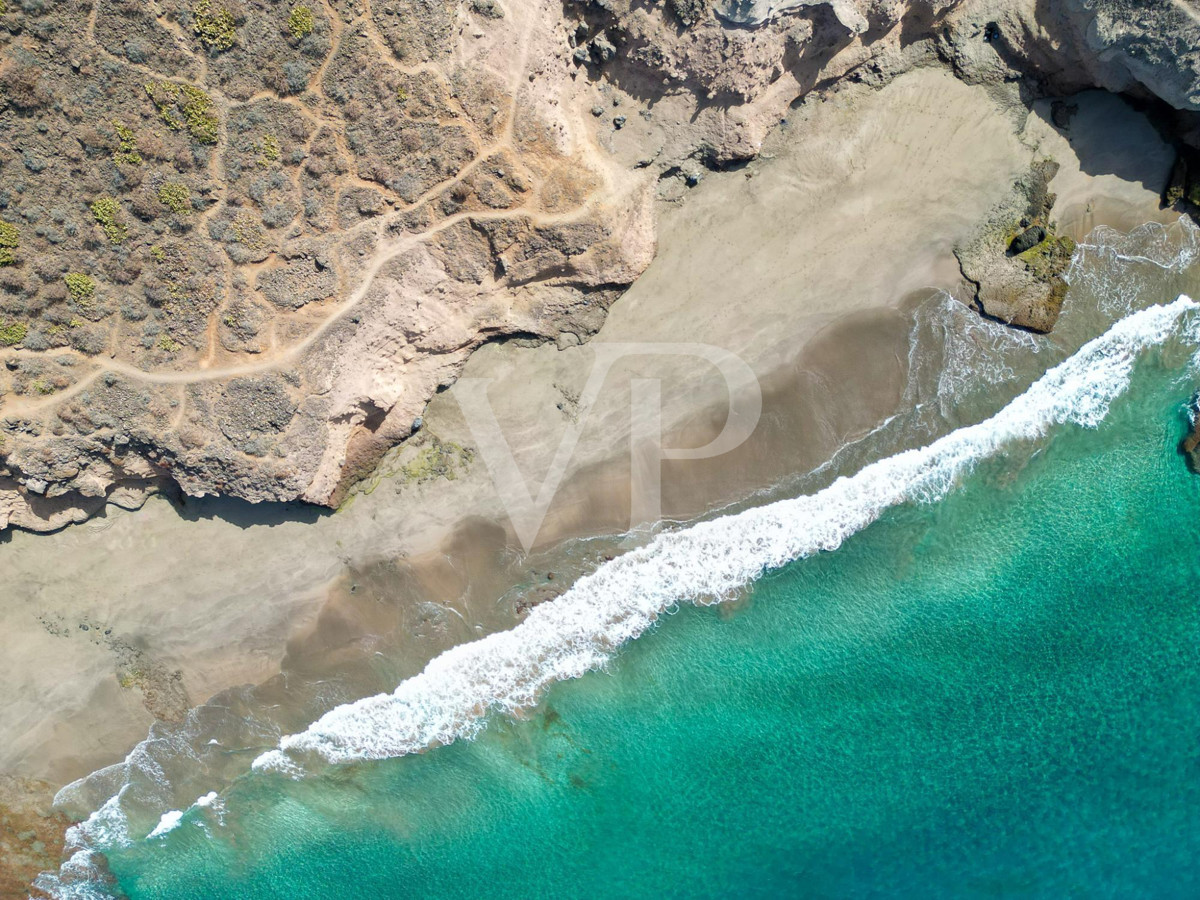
(580, 630)
(977, 353)
(169, 822)
(171, 818)
(209, 799)
(1119, 272)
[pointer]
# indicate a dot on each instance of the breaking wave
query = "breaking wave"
(507, 672)
(580, 630)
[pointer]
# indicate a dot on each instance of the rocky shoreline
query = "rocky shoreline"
(742, 218)
(283, 364)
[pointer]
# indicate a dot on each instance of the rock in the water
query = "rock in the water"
(1190, 446)
(1027, 240)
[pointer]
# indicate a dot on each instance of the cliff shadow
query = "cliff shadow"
(243, 513)
(1111, 136)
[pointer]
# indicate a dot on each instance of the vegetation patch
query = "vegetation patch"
(441, 459)
(301, 22)
(127, 149)
(107, 212)
(133, 677)
(215, 26)
(10, 239)
(182, 106)
(177, 198)
(81, 288)
(247, 231)
(1050, 258)
(268, 150)
(12, 333)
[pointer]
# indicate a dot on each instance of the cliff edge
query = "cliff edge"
(243, 243)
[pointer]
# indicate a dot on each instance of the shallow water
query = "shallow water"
(996, 694)
(992, 692)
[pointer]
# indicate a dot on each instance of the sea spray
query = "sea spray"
(579, 631)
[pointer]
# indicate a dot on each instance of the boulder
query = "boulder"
(1027, 240)
(1018, 278)
(1190, 446)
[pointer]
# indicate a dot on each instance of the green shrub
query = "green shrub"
(268, 150)
(202, 122)
(247, 231)
(301, 22)
(163, 95)
(12, 333)
(184, 106)
(10, 237)
(176, 197)
(81, 288)
(214, 26)
(127, 149)
(168, 344)
(106, 212)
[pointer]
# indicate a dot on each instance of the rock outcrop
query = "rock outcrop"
(1016, 261)
(241, 261)
(1190, 445)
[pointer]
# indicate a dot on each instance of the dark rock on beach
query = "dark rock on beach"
(1027, 240)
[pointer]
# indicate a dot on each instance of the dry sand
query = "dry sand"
(801, 264)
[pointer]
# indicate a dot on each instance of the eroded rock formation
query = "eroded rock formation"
(1016, 260)
(240, 252)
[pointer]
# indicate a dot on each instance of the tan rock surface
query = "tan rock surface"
(340, 218)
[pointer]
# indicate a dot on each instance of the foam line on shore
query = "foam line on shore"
(579, 631)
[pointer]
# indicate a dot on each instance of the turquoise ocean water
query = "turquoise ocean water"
(993, 694)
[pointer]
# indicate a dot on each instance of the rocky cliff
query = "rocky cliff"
(244, 242)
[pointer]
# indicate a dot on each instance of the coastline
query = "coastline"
(895, 176)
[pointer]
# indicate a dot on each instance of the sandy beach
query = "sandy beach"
(805, 264)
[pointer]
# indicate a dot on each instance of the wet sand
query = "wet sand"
(804, 264)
